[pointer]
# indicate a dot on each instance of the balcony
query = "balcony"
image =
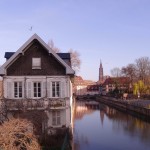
(36, 104)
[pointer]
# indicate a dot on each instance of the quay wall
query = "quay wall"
(124, 105)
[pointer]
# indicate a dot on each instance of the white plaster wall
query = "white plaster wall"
(68, 117)
(63, 118)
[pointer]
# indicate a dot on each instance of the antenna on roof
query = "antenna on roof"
(31, 28)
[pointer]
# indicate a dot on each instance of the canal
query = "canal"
(99, 127)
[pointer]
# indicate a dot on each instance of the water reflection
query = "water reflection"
(97, 126)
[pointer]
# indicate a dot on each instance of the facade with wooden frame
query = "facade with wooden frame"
(35, 77)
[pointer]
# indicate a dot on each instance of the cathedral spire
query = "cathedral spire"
(101, 64)
(101, 72)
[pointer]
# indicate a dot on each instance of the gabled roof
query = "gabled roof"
(69, 70)
(114, 80)
(61, 55)
(65, 56)
(78, 80)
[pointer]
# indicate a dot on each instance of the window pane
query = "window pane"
(20, 89)
(15, 84)
(55, 89)
(35, 94)
(17, 89)
(53, 118)
(56, 119)
(37, 89)
(39, 94)
(20, 94)
(58, 89)
(39, 85)
(34, 84)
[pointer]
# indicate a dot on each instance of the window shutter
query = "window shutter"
(36, 63)
(63, 89)
(48, 89)
(44, 89)
(67, 88)
(58, 118)
(10, 90)
(29, 91)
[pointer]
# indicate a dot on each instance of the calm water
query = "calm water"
(99, 127)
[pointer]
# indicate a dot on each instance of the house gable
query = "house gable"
(62, 66)
(23, 64)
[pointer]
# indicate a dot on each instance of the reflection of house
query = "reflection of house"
(121, 83)
(35, 77)
(85, 107)
(80, 85)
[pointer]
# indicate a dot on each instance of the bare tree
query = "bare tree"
(143, 68)
(116, 72)
(75, 60)
(129, 71)
(53, 47)
(17, 134)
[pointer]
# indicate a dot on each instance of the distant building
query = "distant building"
(111, 83)
(105, 77)
(93, 89)
(83, 87)
(80, 85)
(96, 88)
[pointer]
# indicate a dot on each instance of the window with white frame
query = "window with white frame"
(56, 119)
(18, 90)
(37, 89)
(36, 63)
(56, 89)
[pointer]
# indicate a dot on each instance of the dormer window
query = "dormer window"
(36, 63)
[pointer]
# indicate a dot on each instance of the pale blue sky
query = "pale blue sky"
(115, 31)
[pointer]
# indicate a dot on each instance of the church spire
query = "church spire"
(101, 72)
(101, 64)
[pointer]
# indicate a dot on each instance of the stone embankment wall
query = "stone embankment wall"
(126, 105)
